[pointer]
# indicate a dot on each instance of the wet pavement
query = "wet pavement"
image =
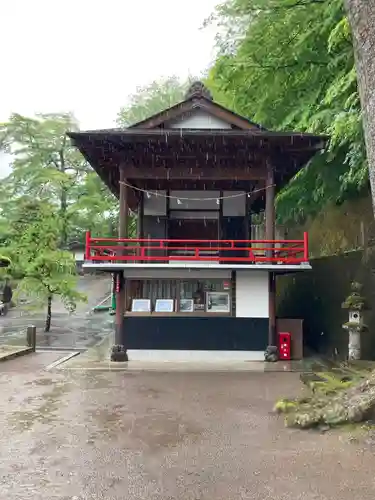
(79, 330)
(119, 435)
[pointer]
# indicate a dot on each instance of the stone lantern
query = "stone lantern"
(356, 305)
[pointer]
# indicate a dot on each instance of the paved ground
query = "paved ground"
(116, 435)
(80, 330)
(12, 351)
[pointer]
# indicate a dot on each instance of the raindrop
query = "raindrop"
(217, 202)
(148, 195)
(179, 202)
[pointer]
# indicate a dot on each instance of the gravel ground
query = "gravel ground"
(117, 435)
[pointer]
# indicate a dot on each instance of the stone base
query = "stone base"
(271, 354)
(119, 354)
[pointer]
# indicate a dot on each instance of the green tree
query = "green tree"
(43, 269)
(288, 64)
(96, 210)
(151, 99)
(46, 167)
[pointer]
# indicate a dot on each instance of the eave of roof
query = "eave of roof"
(132, 135)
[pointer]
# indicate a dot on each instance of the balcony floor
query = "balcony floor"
(131, 268)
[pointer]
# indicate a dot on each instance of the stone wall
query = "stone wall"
(338, 228)
(316, 297)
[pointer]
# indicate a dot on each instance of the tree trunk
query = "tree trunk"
(361, 15)
(354, 344)
(49, 314)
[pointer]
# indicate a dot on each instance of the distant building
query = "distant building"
(78, 251)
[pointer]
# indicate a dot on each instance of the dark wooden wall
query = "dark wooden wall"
(195, 333)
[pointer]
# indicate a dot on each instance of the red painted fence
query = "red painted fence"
(166, 250)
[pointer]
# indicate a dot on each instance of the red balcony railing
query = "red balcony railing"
(167, 250)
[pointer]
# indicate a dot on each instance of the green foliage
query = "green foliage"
(5, 261)
(288, 64)
(42, 268)
(284, 405)
(47, 168)
(152, 99)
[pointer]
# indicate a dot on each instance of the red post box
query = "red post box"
(285, 339)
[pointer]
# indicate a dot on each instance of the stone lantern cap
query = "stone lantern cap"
(355, 300)
(355, 303)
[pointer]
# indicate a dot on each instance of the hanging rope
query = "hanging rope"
(180, 198)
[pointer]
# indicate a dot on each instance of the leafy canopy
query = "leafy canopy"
(289, 65)
(152, 99)
(47, 168)
(42, 268)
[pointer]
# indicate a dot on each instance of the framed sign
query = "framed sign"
(186, 305)
(164, 305)
(141, 305)
(217, 302)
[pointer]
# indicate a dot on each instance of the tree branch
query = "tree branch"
(280, 66)
(297, 3)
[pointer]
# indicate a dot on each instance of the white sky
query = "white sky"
(87, 56)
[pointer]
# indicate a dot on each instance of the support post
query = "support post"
(270, 206)
(31, 337)
(306, 246)
(87, 246)
(271, 352)
(119, 352)
(272, 340)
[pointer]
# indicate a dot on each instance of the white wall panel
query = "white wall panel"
(155, 205)
(252, 294)
(234, 206)
(200, 201)
(199, 119)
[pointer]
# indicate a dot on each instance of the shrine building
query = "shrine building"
(194, 282)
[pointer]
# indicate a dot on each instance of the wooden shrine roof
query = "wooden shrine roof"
(198, 98)
(157, 156)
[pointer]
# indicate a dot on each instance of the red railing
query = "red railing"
(167, 250)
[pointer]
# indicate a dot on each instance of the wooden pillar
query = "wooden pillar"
(270, 235)
(141, 218)
(119, 349)
(270, 203)
(124, 209)
(272, 333)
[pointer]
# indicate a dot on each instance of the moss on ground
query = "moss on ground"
(345, 395)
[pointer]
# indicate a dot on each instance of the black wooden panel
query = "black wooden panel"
(233, 228)
(195, 333)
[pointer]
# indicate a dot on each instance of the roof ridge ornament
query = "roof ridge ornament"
(198, 90)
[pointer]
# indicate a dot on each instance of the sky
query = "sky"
(88, 56)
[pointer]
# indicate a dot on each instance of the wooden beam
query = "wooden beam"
(124, 208)
(228, 116)
(121, 287)
(195, 173)
(270, 235)
(270, 203)
(190, 105)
